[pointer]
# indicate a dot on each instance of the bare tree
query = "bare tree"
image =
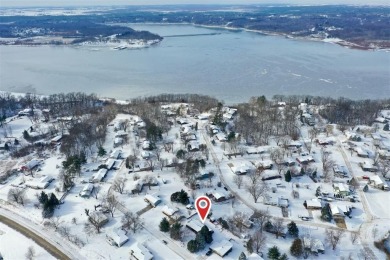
(96, 221)
(119, 185)
(354, 236)
(333, 236)
(260, 217)
(257, 190)
(17, 195)
(110, 203)
(131, 221)
(254, 176)
(157, 152)
(130, 161)
(313, 132)
(279, 227)
(258, 239)
(327, 165)
(329, 130)
(374, 232)
(161, 163)
(384, 167)
(151, 163)
(238, 180)
(30, 253)
(95, 191)
(238, 220)
(193, 194)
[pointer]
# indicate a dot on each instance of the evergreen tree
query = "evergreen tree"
(268, 226)
(200, 239)
(192, 246)
(242, 256)
(101, 151)
(365, 189)
(287, 176)
(164, 225)
(175, 232)
(26, 135)
(318, 191)
(43, 198)
(386, 127)
(293, 229)
(53, 201)
(296, 248)
(283, 257)
(325, 213)
(274, 253)
(231, 136)
(207, 234)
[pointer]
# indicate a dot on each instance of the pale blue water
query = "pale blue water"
(232, 66)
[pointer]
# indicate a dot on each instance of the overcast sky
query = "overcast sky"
(31, 3)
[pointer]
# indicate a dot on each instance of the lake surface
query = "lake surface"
(232, 65)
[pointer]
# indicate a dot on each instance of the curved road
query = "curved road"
(57, 247)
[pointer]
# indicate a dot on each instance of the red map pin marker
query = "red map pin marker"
(203, 206)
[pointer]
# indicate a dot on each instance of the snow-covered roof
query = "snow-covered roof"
(33, 163)
(169, 211)
(255, 150)
(110, 163)
(42, 183)
(314, 203)
(87, 189)
(377, 180)
(222, 248)
(154, 200)
(341, 187)
(118, 236)
(140, 252)
(56, 139)
(115, 154)
(120, 133)
(335, 210)
(317, 245)
(98, 176)
(195, 225)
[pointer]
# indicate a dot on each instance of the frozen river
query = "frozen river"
(229, 65)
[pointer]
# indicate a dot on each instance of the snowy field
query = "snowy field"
(14, 245)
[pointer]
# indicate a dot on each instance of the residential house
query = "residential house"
(336, 211)
(99, 217)
(341, 189)
(116, 237)
(193, 146)
(136, 186)
(313, 204)
(152, 200)
(194, 225)
(98, 176)
(116, 154)
(56, 139)
(216, 196)
(87, 190)
(368, 166)
(255, 150)
(110, 164)
(222, 248)
(139, 252)
(42, 183)
(378, 182)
